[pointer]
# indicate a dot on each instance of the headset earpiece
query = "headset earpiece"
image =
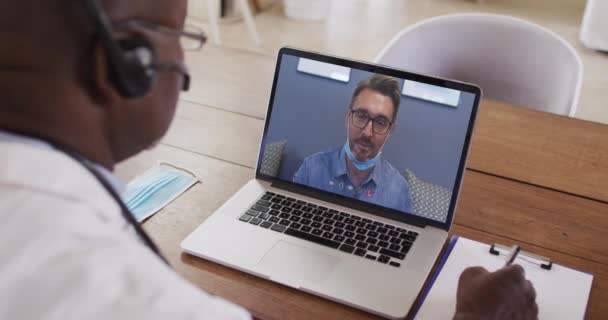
(139, 57)
(129, 60)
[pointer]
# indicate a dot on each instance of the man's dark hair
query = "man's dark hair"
(385, 85)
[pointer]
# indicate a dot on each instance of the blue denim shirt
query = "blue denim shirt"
(327, 171)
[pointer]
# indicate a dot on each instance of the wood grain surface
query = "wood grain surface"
(548, 150)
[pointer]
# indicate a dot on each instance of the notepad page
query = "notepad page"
(562, 293)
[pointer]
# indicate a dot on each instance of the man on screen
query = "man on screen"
(357, 169)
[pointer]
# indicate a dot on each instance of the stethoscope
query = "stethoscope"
(126, 213)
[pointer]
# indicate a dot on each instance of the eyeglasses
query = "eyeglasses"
(178, 67)
(191, 37)
(360, 119)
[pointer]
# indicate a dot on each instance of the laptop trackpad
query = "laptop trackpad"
(291, 264)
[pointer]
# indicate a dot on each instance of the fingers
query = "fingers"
(529, 290)
(471, 273)
(513, 274)
(532, 306)
(469, 279)
(531, 311)
(516, 276)
(488, 293)
(515, 270)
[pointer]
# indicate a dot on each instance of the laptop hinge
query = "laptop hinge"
(349, 203)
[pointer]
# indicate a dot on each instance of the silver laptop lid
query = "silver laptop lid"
(368, 137)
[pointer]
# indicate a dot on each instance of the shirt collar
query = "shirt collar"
(340, 168)
(117, 184)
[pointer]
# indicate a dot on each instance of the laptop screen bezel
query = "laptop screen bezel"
(360, 205)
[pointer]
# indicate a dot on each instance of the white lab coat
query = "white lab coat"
(67, 252)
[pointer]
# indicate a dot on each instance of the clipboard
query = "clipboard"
(562, 293)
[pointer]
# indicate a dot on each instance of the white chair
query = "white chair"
(511, 59)
(213, 8)
(594, 28)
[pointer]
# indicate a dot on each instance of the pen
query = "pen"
(512, 255)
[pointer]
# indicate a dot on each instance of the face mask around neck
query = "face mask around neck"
(361, 165)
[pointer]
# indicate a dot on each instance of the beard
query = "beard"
(366, 143)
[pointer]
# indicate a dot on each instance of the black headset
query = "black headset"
(130, 60)
(131, 63)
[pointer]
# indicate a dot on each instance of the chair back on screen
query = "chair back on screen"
(512, 60)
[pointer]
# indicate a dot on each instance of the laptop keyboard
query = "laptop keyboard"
(342, 231)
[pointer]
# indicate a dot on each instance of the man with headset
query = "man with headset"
(85, 84)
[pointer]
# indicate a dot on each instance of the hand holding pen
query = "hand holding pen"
(503, 294)
(512, 255)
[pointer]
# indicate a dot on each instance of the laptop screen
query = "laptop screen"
(369, 136)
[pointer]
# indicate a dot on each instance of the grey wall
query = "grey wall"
(309, 112)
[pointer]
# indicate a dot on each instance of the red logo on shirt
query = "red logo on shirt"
(370, 193)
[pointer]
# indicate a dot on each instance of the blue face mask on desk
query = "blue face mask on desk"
(154, 190)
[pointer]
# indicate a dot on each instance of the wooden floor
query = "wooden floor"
(360, 28)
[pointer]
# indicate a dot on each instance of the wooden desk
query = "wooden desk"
(533, 178)
(547, 150)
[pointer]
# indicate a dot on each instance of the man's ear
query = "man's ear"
(347, 119)
(104, 90)
(389, 134)
(393, 126)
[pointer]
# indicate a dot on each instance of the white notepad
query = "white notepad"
(562, 293)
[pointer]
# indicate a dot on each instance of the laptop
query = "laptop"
(356, 185)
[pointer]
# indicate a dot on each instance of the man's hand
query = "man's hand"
(504, 294)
